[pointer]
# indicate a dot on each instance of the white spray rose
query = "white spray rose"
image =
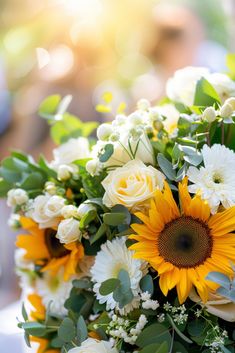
(16, 197)
(70, 151)
(92, 345)
(64, 172)
(68, 231)
(181, 87)
(84, 208)
(46, 210)
(132, 184)
(54, 206)
(93, 167)
(223, 85)
(69, 211)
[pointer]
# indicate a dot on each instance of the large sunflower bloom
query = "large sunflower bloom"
(183, 246)
(44, 249)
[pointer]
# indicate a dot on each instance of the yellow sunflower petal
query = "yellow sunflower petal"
(199, 209)
(183, 286)
(184, 196)
(223, 222)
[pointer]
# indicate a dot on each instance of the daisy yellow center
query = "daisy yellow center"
(55, 248)
(185, 242)
(217, 178)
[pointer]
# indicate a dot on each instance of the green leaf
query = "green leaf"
(100, 232)
(107, 153)
(123, 293)
(33, 181)
(5, 186)
(196, 328)
(48, 107)
(156, 348)
(44, 166)
(66, 331)
(109, 286)
(146, 284)
(205, 94)
(88, 218)
(24, 313)
(179, 348)
(155, 333)
(81, 330)
(114, 219)
(179, 333)
(166, 166)
(82, 283)
(34, 328)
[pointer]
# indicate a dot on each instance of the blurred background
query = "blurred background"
(88, 47)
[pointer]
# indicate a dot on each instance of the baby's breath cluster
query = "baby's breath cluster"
(177, 313)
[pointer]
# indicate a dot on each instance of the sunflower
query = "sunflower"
(183, 246)
(44, 249)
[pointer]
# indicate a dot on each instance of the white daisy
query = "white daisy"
(113, 257)
(215, 182)
(54, 292)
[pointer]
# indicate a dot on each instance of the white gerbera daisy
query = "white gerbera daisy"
(113, 257)
(215, 182)
(54, 292)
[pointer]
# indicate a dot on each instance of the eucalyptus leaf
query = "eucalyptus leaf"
(155, 333)
(166, 167)
(66, 331)
(109, 286)
(107, 153)
(146, 284)
(81, 330)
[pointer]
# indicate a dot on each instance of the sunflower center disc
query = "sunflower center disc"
(185, 242)
(54, 246)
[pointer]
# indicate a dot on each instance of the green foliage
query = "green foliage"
(205, 94)
(107, 152)
(109, 286)
(81, 330)
(156, 348)
(155, 333)
(67, 331)
(146, 284)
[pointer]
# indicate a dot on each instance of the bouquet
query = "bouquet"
(128, 241)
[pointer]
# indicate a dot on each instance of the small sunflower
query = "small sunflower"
(44, 249)
(183, 246)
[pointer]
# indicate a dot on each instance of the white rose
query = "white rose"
(132, 184)
(92, 345)
(226, 110)
(69, 211)
(84, 208)
(70, 151)
(46, 216)
(181, 87)
(68, 231)
(223, 85)
(54, 206)
(104, 131)
(16, 197)
(93, 167)
(64, 172)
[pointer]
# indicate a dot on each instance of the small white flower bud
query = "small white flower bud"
(14, 221)
(231, 101)
(154, 115)
(226, 110)
(120, 120)
(135, 119)
(16, 197)
(114, 137)
(68, 231)
(209, 115)
(143, 104)
(84, 208)
(104, 131)
(64, 172)
(93, 167)
(69, 211)
(50, 188)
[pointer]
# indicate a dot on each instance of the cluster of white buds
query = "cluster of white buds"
(148, 303)
(50, 188)
(215, 338)
(178, 313)
(17, 197)
(227, 108)
(128, 330)
(65, 172)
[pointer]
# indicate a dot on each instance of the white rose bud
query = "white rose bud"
(50, 188)
(68, 231)
(231, 101)
(54, 206)
(84, 208)
(16, 197)
(93, 167)
(14, 221)
(209, 114)
(135, 119)
(143, 104)
(92, 345)
(64, 172)
(69, 211)
(226, 110)
(104, 131)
